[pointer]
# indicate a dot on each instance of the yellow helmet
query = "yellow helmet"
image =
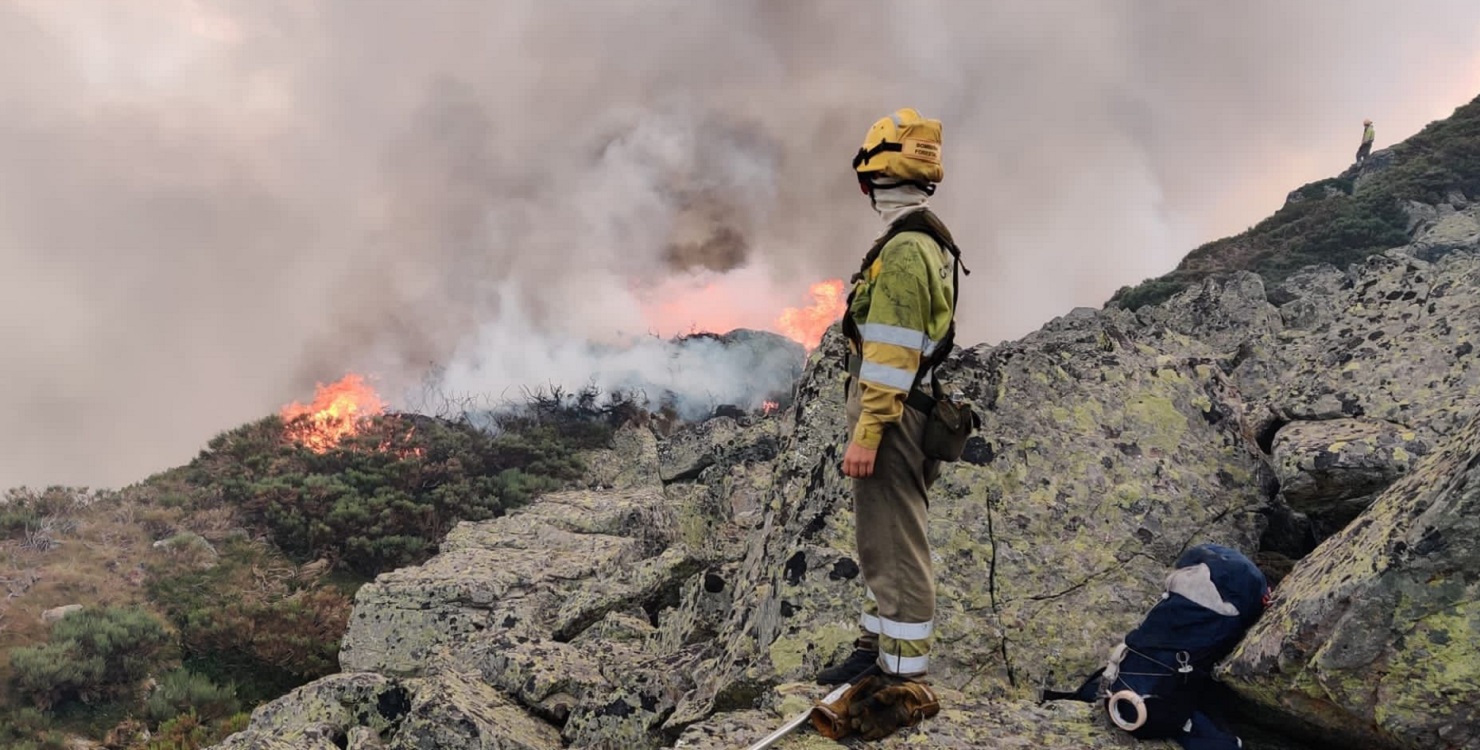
(903, 146)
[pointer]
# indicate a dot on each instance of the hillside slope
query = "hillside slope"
(1342, 219)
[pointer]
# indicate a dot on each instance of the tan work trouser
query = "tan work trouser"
(890, 512)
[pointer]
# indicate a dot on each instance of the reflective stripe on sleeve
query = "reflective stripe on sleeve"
(897, 335)
(889, 377)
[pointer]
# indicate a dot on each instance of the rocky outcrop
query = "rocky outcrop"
(686, 595)
(519, 573)
(1373, 638)
(365, 711)
(1123, 447)
(56, 614)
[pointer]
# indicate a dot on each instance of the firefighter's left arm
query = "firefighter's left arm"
(893, 336)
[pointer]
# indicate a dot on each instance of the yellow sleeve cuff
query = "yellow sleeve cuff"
(868, 434)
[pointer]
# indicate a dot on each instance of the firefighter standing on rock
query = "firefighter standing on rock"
(900, 325)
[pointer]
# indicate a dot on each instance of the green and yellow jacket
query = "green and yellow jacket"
(899, 314)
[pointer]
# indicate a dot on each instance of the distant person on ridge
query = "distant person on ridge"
(1366, 147)
(899, 323)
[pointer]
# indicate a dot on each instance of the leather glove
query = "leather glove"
(830, 715)
(889, 704)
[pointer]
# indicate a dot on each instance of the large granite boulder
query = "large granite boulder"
(1223, 314)
(1393, 342)
(1374, 639)
(523, 572)
(507, 596)
(1331, 469)
(1441, 229)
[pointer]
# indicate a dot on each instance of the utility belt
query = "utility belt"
(949, 420)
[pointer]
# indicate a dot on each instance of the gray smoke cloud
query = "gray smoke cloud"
(206, 207)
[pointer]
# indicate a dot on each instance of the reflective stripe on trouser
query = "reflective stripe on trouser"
(890, 513)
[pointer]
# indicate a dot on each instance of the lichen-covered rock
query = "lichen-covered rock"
(1400, 350)
(450, 710)
(613, 695)
(963, 724)
(656, 581)
(372, 711)
(511, 580)
(631, 461)
(550, 677)
(1309, 297)
(319, 715)
(1332, 468)
(631, 715)
(630, 626)
(1374, 639)
(1094, 436)
(704, 604)
(1219, 313)
(717, 476)
(512, 573)
(1448, 231)
(686, 453)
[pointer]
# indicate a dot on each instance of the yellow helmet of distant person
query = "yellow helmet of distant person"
(903, 147)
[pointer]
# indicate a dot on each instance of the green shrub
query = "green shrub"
(182, 691)
(250, 620)
(384, 498)
(189, 731)
(93, 656)
(1148, 292)
(23, 510)
(15, 522)
(29, 729)
(184, 732)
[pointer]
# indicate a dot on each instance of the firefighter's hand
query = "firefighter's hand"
(858, 461)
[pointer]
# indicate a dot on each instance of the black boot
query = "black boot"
(861, 661)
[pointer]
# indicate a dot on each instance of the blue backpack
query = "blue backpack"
(1156, 678)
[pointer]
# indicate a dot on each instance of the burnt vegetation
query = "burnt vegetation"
(1334, 220)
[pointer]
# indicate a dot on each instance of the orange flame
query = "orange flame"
(769, 406)
(805, 325)
(335, 413)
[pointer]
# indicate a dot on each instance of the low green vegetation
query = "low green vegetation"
(93, 657)
(212, 588)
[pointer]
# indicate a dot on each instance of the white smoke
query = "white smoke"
(205, 207)
(511, 359)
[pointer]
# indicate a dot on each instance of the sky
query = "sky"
(208, 207)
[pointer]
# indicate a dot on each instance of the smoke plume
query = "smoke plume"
(205, 207)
